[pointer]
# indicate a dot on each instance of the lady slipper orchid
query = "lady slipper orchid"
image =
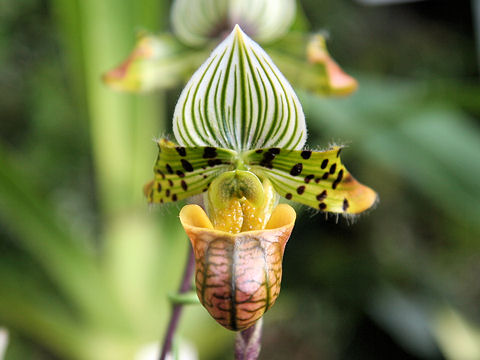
(239, 260)
(168, 59)
(240, 133)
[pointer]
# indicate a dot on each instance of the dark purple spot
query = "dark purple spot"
(204, 176)
(214, 162)
(266, 164)
(296, 169)
(322, 196)
(301, 190)
(174, 197)
(333, 168)
(325, 175)
(308, 178)
(180, 173)
(274, 151)
(186, 165)
(209, 152)
(181, 151)
(184, 185)
(338, 179)
(169, 169)
(170, 182)
(167, 192)
(345, 204)
(259, 151)
(322, 206)
(268, 157)
(159, 187)
(324, 164)
(306, 154)
(288, 196)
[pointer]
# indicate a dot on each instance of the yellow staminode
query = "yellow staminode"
(238, 201)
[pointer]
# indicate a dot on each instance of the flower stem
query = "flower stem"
(249, 342)
(177, 308)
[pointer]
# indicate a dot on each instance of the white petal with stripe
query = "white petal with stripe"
(239, 100)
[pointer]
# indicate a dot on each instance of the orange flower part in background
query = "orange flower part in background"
(339, 82)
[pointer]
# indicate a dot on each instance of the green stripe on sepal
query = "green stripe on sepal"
(239, 100)
(181, 172)
(314, 178)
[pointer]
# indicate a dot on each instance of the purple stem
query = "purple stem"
(177, 308)
(249, 342)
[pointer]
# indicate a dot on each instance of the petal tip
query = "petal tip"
(194, 216)
(283, 215)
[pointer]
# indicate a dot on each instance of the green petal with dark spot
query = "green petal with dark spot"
(181, 172)
(314, 178)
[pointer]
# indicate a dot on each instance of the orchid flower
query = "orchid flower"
(169, 59)
(240, 140)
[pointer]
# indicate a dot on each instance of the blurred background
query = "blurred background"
(86, 265)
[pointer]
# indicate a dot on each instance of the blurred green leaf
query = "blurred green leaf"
(410, 323)
(27, 306)
(66, 258)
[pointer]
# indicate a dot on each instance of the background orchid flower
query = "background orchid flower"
(198, 22)
(169, 59)
(241, 133)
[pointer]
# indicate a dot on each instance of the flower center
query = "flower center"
(239, 201)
